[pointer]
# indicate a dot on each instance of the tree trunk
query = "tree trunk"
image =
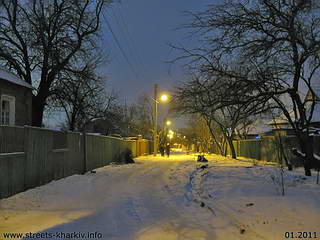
(306, 144)
(72, 124)
(283, 154)
(71, 128)
(224, 147)
(219, 145)
(233, 151)
(37, 111)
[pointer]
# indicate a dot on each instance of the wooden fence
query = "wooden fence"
(268, 148)
(30, 157)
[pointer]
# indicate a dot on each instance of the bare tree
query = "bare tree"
(139, 117)
(40, 39)
(82, 97)
(277, 41)
(222, 101)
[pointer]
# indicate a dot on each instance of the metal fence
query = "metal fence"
(30, 157)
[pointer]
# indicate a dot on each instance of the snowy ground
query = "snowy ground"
(169, 199)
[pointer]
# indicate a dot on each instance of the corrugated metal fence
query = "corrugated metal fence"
(31, 157)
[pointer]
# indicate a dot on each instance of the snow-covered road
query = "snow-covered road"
(175, 198)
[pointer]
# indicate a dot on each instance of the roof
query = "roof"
(10, 77)
(316, 89)
(316, 112)
(259, 126)
(283, 120)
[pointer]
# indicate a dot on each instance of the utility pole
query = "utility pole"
(155, 120)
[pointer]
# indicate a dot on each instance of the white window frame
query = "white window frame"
(12, 106)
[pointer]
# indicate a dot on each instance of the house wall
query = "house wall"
(23, 101)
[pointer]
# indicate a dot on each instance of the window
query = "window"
(5, 113)
(7, 110)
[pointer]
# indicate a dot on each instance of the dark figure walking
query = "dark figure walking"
(161, 148)
(168, 149)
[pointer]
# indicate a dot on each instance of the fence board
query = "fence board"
(42, 155)
(75, 154)
(11, 139)
(11, 174)
(268, 148)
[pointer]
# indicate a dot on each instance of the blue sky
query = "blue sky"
(143, 29)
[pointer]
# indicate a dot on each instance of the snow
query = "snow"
(10, 77)
(170, 198)
(317, 157)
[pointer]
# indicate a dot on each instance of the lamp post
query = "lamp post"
(163, 98)
(155, 120)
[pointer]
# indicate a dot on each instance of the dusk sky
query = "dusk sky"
(143, 28)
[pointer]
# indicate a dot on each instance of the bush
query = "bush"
(124, 157)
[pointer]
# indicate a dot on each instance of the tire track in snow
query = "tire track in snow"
(180, 191)
(201, 195)
(144, 202)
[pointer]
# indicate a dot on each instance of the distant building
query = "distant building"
(283, 127)
(15, 100)
(257, 129)
(103, 126)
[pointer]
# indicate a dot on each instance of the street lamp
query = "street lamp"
(168, 123)
(162, 98)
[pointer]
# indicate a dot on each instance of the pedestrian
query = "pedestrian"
(161, 148)
(168, 149)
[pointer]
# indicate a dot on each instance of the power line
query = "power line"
(125, 38)
(131, 39)
(120, 47)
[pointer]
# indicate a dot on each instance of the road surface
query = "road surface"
(156, 198)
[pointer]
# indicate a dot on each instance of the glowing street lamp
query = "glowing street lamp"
(163, 98)
(168, 123)
(170, 134)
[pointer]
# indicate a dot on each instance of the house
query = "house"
(15, 100)
(283, 127)
(257, 129)
(102, 125)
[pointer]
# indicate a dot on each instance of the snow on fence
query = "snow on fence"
(30, 157)
(268, 148)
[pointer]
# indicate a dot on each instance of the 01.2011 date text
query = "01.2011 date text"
(301, 235)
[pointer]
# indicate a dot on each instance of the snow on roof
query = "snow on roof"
(10, 77)
(283, 120)
(316, 112)
(316, 89)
